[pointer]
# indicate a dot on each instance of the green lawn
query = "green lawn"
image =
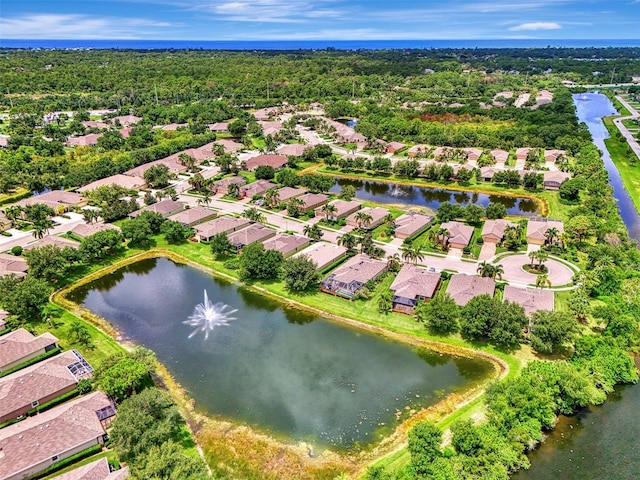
(626, 163)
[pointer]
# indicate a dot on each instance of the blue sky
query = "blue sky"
(319, 19)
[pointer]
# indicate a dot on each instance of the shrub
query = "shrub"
(17, 250)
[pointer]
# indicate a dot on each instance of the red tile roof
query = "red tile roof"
(20, 344)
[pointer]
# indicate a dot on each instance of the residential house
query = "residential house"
(420, 150)
(275, 161)
(463, 287)
(542, 98)
(412, 285)
(464, 166)
(343, 209)
(4, 141)
(84, 140)
(459, 234)
(125, 132)
(193, 216)
(531, 299)
(493, 230)
(84, 230)
(487, 173)
(5, 223)
(411, 223)
(255, 232)
(378, 217)
(553, 155)
(53, 240)
(98, 470)
(126, 120)
(36, 443)
(286, 244)
(393, 147)
(129, 182)
(172, 162)
(205, 231)
(58, 200)
(521, 154)
(287, 193)
(270, 128)
(219, 127)
(257, 188)
(553, 179)
(172, 126)
(20, 346)
(323, 254)
(350, 277)
(500, 156)
(311, 201)
(12, 265)
(40, 383)
(229, 145)
(292, 150)
(264, 114)
(95, 124)
(536, 229)
(166, 208)
(473, 154)
(222, 186)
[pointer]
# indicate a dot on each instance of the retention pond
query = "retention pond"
(281, 370)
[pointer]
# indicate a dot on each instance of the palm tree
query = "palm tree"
(294, 206)
(329, 209)
(313, 232)
(13, 213)
(498, 271)
(272, 198)
(234, 190)
(187, 160)
(366, 243)
(543, 281)
(196, 181)
(385, 302)
(542, 257)
(254, 215)
(348, 240)
(485, 269)
(551, 235)
(363, 219)
(217, 149)
(205, 199)
(394, 262)
(533, 256)
(88, 215)
(412, 254)
(40, 229)
(441, 236)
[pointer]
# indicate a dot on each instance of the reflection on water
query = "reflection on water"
(280, 369)
(387, 193)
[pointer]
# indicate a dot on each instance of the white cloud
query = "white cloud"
(61, 26)
(536, 26)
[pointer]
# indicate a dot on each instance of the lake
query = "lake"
(281, 370)
(431, 198)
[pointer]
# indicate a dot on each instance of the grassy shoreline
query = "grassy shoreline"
(201, 426)
(629, 170)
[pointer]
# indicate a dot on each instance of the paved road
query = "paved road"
(23, 239)
(631, 140)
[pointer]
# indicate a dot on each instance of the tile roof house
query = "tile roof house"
(487, 173)
(411, 223)
(473, 154)
(536, 228)
(84, 230)
(95, 124)
(40, 383)
(193, 216)
(552, 180)
(222, 186)
(378, 216)
(172, 126)
(224, 224)
(286, 244)
(554, 155)
(270, 127)
(53, 240)
(275, 161)
(171, 162)
(311, 201)
(493, 230)
(98, 470)
(463, 287)
(166, 208)
(84, 140)
(258, 187)
(350, 277)
(418, 150)
(126, 120)
(125, 132)
(412, 285)
(56, 199)
(323, 254)
(292, 150)
(343, 209)
(10, 264)
(255, 232)
(20, 346)
(531, 299)
(229, 145)
(219, 127)
(286, 193)
(459, 234)
(521, 153)
(32, 445)
(500, 156)
(130, 182)
(5, 223)
(393, 147)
